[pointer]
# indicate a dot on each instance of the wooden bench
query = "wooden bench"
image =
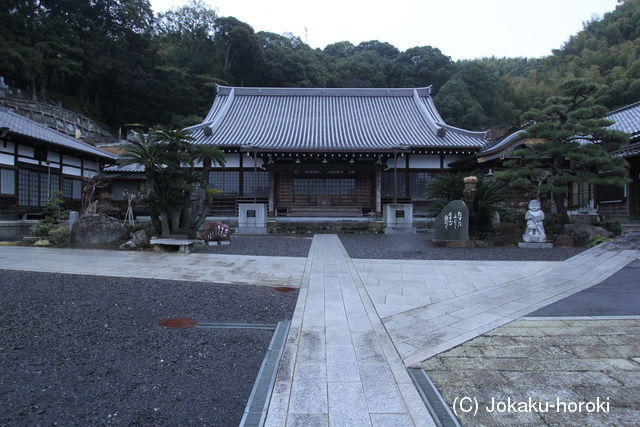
(184, 245)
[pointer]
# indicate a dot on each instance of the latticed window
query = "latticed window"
(228, 182)
(582, 194)
(35, 188)
(388, 187)
(45, 188)
(260, 180)
(340, 186)
(308, 186)
(72, 188)
(417, 183)
(7, 181)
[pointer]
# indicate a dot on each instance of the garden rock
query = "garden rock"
(97, 229)
(140, 239)
(582, 233)
(563, 241)
(42, 243)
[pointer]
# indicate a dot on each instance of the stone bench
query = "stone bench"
(184, 245)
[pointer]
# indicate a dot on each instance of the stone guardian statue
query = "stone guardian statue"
(534, 233)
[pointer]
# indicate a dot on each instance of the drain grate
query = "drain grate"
(236, 325)
(432, 398)
(183, 323)
(256, 410)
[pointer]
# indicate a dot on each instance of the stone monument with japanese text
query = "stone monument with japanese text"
(452, 224)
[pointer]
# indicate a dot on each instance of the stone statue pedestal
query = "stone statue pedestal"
(252, 218)
(398, 218)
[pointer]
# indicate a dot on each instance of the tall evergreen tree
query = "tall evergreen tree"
(572, 144)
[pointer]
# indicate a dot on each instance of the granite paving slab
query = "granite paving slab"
(233, 269)
(555, 368)
(341, 367)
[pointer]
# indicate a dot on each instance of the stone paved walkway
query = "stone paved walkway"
(234, 269)
(340, 367)
(465, 309)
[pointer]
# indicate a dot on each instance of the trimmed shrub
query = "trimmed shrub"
(596, 240)
(59, 235)
(42, 229)
(613, 227)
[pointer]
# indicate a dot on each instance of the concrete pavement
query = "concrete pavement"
(234, 269)
(618, 295)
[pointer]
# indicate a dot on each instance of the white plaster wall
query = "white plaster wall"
(25, 150)
(9, 148)
(70, 160)
(424, 161)
(452, 158)
(71, 171)
(7, 159)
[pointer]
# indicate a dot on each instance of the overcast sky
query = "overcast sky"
(462, 29)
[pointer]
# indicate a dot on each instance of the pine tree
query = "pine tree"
(570, 142)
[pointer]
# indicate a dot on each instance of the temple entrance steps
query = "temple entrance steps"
(325, 211)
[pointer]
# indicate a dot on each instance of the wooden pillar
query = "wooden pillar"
(240, 176)
(378, 186)
(272, 192)
(395, 177)
(407, 177)
(255, 175)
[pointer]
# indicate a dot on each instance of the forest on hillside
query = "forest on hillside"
(117, 62)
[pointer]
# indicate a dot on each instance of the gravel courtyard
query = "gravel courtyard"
(270, 245)
(416, 246)
(89, 350)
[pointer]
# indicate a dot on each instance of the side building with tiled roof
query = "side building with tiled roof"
(623, 203)
(36, 160)
(317, 151)
(613, 202)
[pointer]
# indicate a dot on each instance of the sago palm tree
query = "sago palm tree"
(209, 156)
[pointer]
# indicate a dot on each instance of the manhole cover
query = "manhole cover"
(283, 289)
(178, 323)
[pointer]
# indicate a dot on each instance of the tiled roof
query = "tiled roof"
(627, 119)
(630, 150)
(502, 144)
(21, 125)
(135, 167)
(299, 119)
